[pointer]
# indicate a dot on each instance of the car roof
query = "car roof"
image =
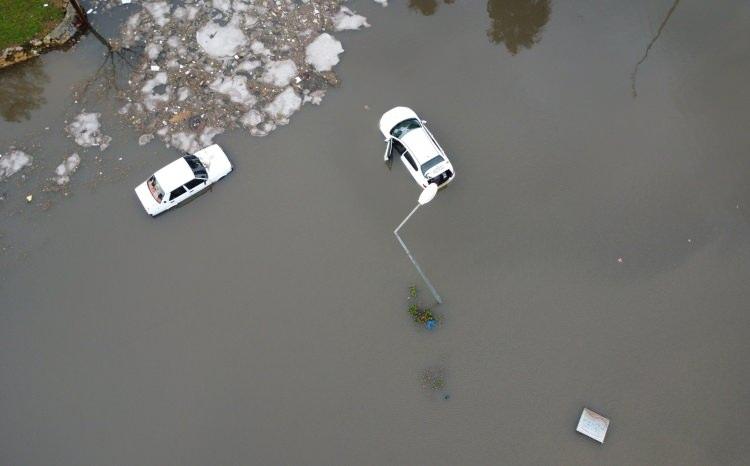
(420, 145)
(174, 175)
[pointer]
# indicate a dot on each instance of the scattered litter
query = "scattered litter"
(29, 198)
(593, 425)
(433, 378)
(12, 162)
(382, 2)
(619, 260)
(125, 2)
(65, 169)
(229, 63)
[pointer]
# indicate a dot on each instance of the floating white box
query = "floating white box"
(593, 425)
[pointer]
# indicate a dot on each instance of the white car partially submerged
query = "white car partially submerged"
(183, 179)
(408, 138)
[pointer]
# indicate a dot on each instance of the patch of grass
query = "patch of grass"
(23, 20)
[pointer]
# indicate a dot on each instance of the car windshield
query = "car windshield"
(431, 163)
(199, 170)
(404, 127)
(155, 189)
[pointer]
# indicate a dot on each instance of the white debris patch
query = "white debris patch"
(12, 162)
(252, 118)
(223, 5)
(235, 87)
(593, 425)
(192, 143)
(152, 97)
(248, 65)
(159, 11)
(279, 73)
(346, 19)
(65, 169)
(86, 130)
(221, 41)
(284, 105)
(384, 3)
(323, 52)
(153, 51)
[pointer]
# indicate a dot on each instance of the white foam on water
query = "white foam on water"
(252, 118)
(192, 143)
(159, 11)
(86, 131)
(67, 168)
(223, 5)
(13, 162)
(314, 97)
(323, 52)
(347, 20)
(248, 65)
(153, 51)
(258, 48)
(284, 105)
(152, 99)
(234, 87)
(145, 139)
(221, 41)
(279, 73)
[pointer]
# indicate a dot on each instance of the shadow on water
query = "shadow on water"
(22, 90)
(515, 23)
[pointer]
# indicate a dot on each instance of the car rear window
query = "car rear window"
(155, 189)
(431, 163)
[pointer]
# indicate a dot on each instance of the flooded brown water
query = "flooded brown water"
(592, 251)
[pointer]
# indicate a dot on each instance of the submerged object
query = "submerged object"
(593, 425)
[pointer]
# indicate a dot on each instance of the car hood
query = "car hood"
(147, 200)
(216, 162)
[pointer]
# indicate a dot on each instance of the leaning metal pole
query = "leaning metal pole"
(413, 261)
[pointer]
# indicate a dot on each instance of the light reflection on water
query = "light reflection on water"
(22, 90)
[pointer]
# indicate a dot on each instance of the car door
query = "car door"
(196, 185)
(178, 195)
(388, 147)
(413, 168)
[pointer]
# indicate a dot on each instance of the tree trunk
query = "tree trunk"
(82, 18)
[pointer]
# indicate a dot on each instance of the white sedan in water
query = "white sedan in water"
(408, 138)
(183, 179)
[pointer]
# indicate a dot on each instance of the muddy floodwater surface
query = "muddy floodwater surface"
(593, 250)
